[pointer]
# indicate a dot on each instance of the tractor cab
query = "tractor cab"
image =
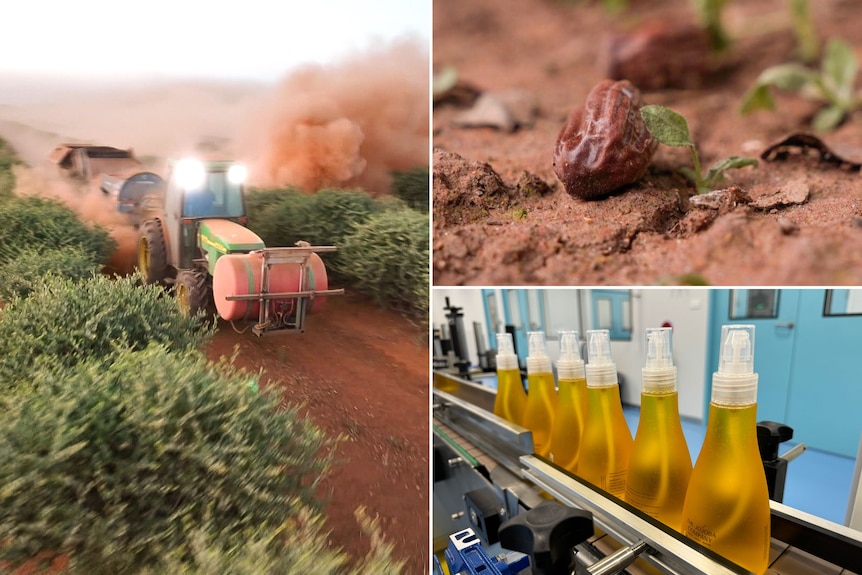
(206, 189)
(198, 190)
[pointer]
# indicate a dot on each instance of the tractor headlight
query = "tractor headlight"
(190, 174)
(237, 173)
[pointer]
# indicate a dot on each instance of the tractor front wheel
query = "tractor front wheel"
(152, 252)
(193, 292)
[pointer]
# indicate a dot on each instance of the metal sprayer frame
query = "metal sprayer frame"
(300, 255)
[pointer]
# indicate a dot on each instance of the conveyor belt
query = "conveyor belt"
(454, 439)
(807, 534)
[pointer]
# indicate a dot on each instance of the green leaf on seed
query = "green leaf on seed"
(668, 127)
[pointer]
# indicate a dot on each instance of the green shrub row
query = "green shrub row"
(135, 458)
(412, 187)
(25, 272)
(40, 237)
(64, 322)
(383, 244)
(387, 257)
(301, 546)
(120, 464)
(283, 217)
(8, 159)
(32, 223)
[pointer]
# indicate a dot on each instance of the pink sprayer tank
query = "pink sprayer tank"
(240, 274)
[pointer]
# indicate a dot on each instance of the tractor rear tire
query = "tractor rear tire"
(152, 252)
(194, 292)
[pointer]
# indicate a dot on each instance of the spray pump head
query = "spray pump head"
(537, 358)
(570, 365)
(735, 382)
(659, 373)
(601, 369)
(506, 358)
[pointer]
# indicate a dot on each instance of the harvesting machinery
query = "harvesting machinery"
(137, 191)
(192, 235)
(86, 161)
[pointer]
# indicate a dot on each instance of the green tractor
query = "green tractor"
(196, 240)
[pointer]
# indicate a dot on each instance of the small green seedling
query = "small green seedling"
(709, 12)
(833, 84)
(671, 129)
(808, 44)
(615, 6)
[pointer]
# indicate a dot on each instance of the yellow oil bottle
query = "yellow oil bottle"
(511, 399)
(727, 504)
(606, 444)
(541, 396)
(660, 464)
(572, 405)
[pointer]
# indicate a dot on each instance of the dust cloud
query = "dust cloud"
(345, 125)
(160, 120)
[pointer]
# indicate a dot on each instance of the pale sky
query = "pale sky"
(225, 39)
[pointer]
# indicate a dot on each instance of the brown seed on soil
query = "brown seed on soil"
(660, 55)
(604, 144)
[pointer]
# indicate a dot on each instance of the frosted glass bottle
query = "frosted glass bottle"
(660, 464)
(572, 404)
(542, 396)
(727, 503)
(511, 399)
(606, 444)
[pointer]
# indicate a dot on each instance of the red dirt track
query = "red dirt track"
(362, 372)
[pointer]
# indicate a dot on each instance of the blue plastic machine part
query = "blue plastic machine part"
(465, 556)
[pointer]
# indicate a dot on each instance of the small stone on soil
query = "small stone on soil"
(522, 105)
(721, 200)
(706, 208)
(695, 221)
(792, 193)
(504, 111)
(487, 112)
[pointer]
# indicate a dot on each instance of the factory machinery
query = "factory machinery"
(500, 509)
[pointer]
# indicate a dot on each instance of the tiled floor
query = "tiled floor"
(817, 482)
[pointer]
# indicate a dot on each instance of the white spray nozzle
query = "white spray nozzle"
(570, 349)
(659, 349)
(599, 346)
(737, 349)
(570, 364)
(537, 358)
(659, 373)
(735, 382)
(601, 369)
(506, 358)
